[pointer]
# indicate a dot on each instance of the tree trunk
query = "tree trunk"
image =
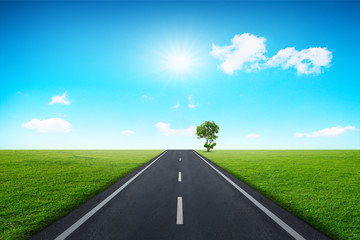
(208, 149)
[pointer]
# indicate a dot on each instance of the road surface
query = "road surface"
(179, 195)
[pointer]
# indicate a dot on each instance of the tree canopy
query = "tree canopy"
(208, 130)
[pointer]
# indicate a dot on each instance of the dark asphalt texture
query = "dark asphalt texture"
(212, 208)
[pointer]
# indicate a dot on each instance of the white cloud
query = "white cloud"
(49, 125)
(165, 129)
(245, 51)
(177, 105)
(127, 132)
(248, 52)
(252, 136)
(307, 61)
(327, 132)
(59, 99)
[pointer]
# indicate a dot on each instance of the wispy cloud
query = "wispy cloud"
(60, 99)
(327, 132)
(49, 125)
(247, 52)
(23, 94)
(191, 104)
(165, 129)
(144, 96)
(127, 132)
(177, 105)
(253, 136)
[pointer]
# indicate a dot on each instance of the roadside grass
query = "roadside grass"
(320, 186)
(39, 186)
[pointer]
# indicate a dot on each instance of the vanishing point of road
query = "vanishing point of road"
(179, 195)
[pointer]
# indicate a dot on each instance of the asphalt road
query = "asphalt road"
(180, 195)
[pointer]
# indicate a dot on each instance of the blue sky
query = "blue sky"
(142, 75)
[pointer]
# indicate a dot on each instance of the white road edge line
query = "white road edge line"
(281, 223)
(179, 217)
(77, 224)
(179, 178)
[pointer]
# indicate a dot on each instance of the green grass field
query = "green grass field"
(320, 186)
(39, 186)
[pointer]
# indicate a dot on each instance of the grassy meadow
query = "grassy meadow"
(39, 186)
(320, 186)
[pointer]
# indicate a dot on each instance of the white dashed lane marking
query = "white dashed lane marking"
(179, 217)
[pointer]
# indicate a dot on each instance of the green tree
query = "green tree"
(208, 131)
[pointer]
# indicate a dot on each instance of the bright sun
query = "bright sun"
(180, 63)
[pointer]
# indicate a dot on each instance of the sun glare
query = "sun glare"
(180, 63)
